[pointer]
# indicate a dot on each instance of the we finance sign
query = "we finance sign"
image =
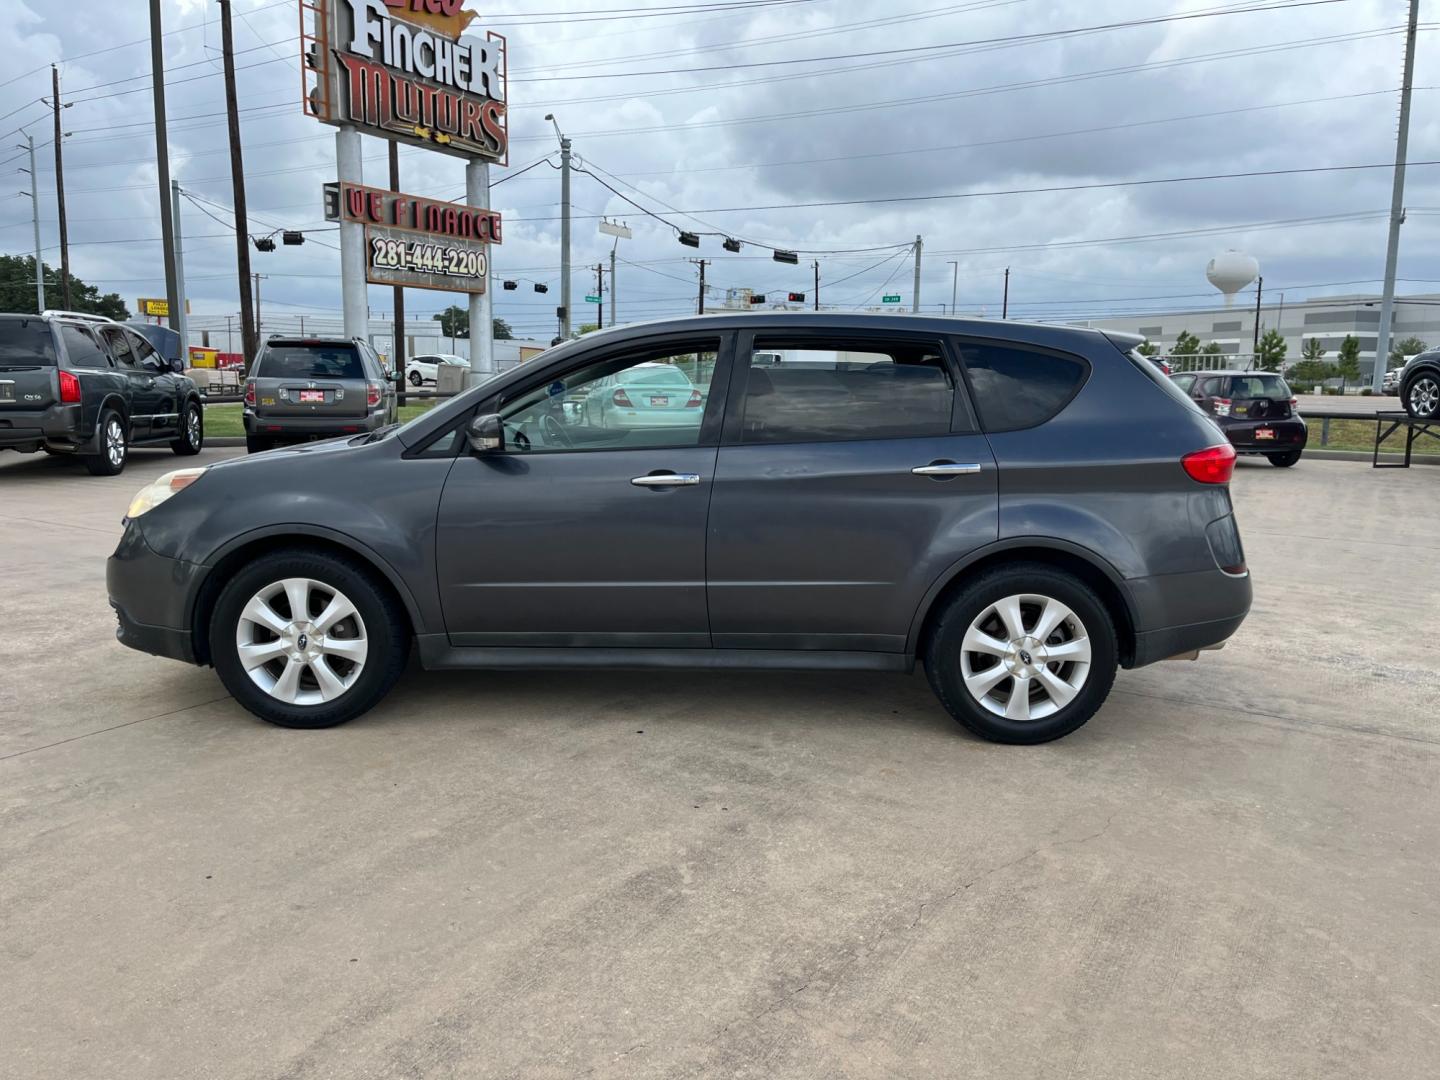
(409, 71)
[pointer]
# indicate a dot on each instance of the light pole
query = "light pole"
(35, 210)
(954, 284)
(564, 226)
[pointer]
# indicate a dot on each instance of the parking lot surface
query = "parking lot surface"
(1232, 871)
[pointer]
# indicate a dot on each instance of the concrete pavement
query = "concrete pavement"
(1233, 871)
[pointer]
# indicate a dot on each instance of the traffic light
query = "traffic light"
(689, 239)
(510, 286)
(265, 243)
(757, 298)
(292, 238)
(540, 286)
(797, 298)
(731, 245)
(786, 257)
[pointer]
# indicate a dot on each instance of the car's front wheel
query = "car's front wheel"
(307, 639)
(1285, 460)
(192, 431)
(1422, 396)
(416, 379)
(114, 446)
(1023, 654)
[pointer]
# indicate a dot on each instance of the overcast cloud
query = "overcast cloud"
(696, 140)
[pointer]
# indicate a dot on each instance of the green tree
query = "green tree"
(1147, 348)
(17, 291)
(1187, 344)
(1312, 350)
(454, 321)
(1310, 372)
(1348, 365)
(1271, 353)
(1213, 349)
(585, 328)
(1409, 346)
(502, 330)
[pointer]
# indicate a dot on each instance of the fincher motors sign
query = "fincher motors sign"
(403, 70)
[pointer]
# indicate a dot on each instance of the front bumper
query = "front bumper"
(311, 427)
(151, 596)
(1289, 435)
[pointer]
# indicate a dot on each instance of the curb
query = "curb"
(225, 440)
(1364, 455)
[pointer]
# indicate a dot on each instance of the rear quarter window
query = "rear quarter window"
(1018, 388)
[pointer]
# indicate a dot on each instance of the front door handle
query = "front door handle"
(658, 480)
(946, 468)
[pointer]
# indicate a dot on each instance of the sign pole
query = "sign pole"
(162, 164)
(249, 334)
(353, 290)
(398, 343)
(179, 317)
(482, 326)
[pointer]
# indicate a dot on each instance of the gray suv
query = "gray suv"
(302, 389)
(1022, 509)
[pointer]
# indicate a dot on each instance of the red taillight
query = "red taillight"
(621, 398)
(1213, 465)
(1222, 406)
(372, 394)
(250, 392)
(695, 400)
(1164, 368)
(69, 388)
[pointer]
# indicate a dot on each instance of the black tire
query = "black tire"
(110, 461)
(1285, 460)
(387, 630)
(1421, 395)
(416, 379)
(192, 430)
(943, 649)
(255, 444)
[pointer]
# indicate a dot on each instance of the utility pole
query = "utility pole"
(1259, 291)
(249, 333)
(1005, 301)
(35, 214)
(817, 284)
(60, 190)
(564, 227)
(397, 346)
(162, 163)
(1397, 206)
(179, 317)
(915, 297)
(258, 278)
(702, 263)
(954, 285)
(600, 292)
(614, 319)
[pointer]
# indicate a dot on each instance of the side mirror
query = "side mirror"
(487, 434)
(177, 366)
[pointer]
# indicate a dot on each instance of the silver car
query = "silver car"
(651, 395)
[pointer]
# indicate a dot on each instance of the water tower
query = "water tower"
(1230, 272)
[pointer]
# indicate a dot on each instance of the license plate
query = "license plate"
(312, 397)
(659, 401)
(1264, 433)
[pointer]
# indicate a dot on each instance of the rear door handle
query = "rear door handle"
(656, 480)
(946, 468)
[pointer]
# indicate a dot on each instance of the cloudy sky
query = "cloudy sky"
(701, 114)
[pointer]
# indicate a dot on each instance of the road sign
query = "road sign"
(892, 298)
(158, 309)
(592, 299)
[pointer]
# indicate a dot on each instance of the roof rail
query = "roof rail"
(82, 316)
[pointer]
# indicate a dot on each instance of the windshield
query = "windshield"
(26, 342)
(311, 362)
(1258, 386)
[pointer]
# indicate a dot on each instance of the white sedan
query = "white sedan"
(425, 369)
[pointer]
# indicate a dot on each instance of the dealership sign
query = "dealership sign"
(418, 242)
(404, 70)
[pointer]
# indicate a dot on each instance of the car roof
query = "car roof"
(1228, 371)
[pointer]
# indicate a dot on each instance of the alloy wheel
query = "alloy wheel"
(301, 641)
(192, 427)
(115, 443)
(1025, 657)
(1425, 396)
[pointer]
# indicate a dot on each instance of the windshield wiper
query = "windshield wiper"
(379, 433)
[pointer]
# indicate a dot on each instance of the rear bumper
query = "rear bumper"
(1178, 640)
(57, 427)
(1179, 613)
(308, 427)
(1289, 435)
(151, 597)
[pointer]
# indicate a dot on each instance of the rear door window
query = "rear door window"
(1019, 388)
(26, 343)
(121, 347)
(311, 362)
(819, 391)
(82, 349)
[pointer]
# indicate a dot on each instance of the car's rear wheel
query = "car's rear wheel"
(1285, 460)
(1023, 654)
(255, 444)
(1422, 396)
(114, 444)
(308, 639)
(192, 431)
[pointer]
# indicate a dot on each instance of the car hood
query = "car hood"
(326, 446)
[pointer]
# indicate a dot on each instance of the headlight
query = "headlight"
(153, 494)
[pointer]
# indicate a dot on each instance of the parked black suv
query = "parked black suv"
(91, 389)
(1021, 508)
(1255, 409)
(302, 389)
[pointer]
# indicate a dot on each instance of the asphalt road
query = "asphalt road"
(1233, 871)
